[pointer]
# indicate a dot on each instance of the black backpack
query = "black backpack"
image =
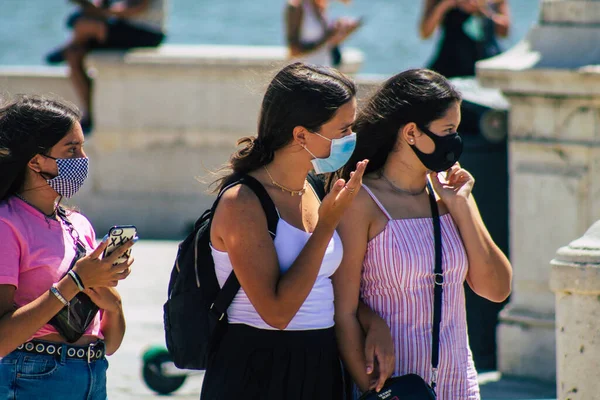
(195, 312)
(195, 315)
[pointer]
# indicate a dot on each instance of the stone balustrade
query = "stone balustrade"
(165, 119)
(575, 280)
(552, 82)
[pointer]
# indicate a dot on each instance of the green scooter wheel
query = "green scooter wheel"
(153, 371)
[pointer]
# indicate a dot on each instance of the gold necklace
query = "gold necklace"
(283, 188)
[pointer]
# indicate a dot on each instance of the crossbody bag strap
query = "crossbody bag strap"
(80, 247)
(438, 278)
(232, 285)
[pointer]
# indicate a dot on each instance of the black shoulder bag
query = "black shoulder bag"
(72, 320)
(412, 386)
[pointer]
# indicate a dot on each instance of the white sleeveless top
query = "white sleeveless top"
(153, 18)
(313, 30)
(317, 310)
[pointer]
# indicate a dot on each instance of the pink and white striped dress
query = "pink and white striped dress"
(397, 283)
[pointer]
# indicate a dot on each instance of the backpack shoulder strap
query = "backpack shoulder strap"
(232, 285)
(265, 201)
(317, 184)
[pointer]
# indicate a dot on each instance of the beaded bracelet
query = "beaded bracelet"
(76, 279)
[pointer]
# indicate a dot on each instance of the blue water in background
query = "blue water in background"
(389, 38)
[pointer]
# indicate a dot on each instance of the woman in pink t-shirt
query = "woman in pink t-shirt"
(41, 161)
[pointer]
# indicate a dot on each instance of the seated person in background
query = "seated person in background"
(117, 25)
(470, 30)
(310, 37)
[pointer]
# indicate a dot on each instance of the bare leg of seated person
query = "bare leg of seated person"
(84, 32)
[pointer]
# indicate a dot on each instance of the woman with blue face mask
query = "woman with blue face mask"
(280, 342)
(408, 131)
(59, 312)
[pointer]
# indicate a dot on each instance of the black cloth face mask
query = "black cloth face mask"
(447, 151)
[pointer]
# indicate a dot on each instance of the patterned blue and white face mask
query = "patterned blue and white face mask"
(72, 173)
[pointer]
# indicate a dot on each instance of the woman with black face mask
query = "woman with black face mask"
(408, 131)
(59, 312)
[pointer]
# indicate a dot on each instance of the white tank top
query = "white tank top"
(312, 30)
(317, 310)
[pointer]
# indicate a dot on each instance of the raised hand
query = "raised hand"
(342, 28)
(457, 184)
(470, 6)
(335, 203)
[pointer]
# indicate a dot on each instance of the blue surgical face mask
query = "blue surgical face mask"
(341, 151)
(72, 173)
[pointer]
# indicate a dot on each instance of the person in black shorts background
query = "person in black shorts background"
(106, 24)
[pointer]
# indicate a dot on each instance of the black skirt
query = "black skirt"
(260, 364)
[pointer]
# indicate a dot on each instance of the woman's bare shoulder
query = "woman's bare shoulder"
(239, 198)
(362, 207)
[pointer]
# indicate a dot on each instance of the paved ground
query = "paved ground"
(144, 293)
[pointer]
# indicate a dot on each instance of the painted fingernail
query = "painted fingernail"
(135, 239)
(369, 370)
(105, 238)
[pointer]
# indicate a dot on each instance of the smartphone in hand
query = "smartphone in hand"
(117, 236)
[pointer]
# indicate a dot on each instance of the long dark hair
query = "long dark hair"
(416, 95)
(299, 95)
(29, 125)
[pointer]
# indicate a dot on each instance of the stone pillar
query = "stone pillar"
(575, 279)
(552, 82)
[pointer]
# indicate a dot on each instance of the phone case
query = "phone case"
(117, 236)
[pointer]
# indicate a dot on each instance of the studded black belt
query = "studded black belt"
(91, 352)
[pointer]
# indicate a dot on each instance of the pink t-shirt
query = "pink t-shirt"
(36, 251)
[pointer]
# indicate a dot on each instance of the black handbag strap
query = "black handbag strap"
(80, 249)
(438, 279)
(232, 285)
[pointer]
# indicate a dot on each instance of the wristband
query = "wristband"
(76, 279)
(54, 290)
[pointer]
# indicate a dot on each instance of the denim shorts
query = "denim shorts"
(27, 376)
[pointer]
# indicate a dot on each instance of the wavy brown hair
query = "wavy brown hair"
(416, 95)
(30, 125)
(299, 95)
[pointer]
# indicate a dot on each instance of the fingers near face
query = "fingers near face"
(359, 171)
